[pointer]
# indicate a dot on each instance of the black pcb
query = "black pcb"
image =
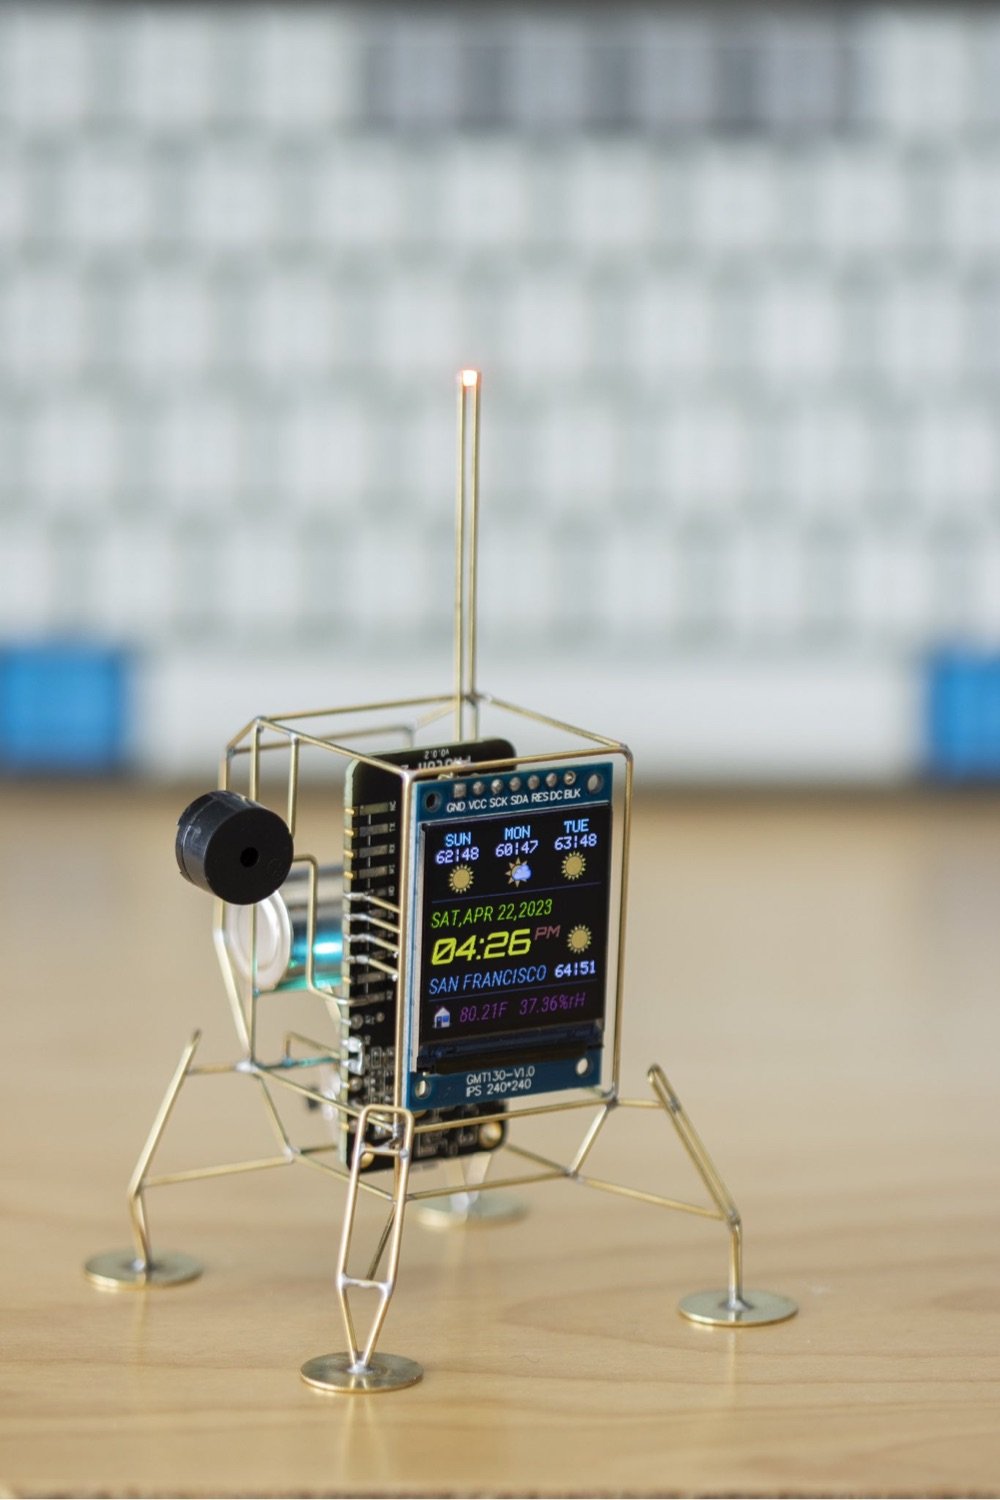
(372, 860)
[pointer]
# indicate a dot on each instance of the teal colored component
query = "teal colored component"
(282, 933)
(328, 956)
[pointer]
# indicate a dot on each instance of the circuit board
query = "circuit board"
(372, 859)
(509, 971)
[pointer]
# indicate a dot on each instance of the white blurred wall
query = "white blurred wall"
(733, 279)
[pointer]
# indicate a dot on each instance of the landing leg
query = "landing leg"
(138, 1268)
(733, 1307)
(383, 1130)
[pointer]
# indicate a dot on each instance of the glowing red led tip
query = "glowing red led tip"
(469, 377)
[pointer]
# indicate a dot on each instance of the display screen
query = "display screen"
(515, 922)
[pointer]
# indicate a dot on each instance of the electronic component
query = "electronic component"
(372, 871)
(282, 933)
(232, 847)
(508, 983)
(470, 957)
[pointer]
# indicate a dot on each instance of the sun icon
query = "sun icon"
(460, 879)
(573, 866)
(579, 939)
(518, 872)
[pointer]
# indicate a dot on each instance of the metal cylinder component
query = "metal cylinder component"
(283, 932)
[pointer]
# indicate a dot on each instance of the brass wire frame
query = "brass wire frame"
(391, 1129)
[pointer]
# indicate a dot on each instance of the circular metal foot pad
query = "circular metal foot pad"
(755, 1308)
(386, 1372)
(470, 1209)
(120, 1269)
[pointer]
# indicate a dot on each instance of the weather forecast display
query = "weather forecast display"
(515, 922)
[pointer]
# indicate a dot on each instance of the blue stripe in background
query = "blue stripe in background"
(65, 707)
(963, 715)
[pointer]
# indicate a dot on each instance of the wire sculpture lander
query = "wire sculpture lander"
(392, 1131)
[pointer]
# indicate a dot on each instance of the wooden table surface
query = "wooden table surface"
(820, 980)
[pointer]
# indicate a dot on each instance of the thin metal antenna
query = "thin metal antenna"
(467, 554)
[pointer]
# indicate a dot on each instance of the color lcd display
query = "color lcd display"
(515, 923)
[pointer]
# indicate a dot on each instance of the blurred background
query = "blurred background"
(732, 274)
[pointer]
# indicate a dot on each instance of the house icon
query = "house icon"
(442, 1017)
